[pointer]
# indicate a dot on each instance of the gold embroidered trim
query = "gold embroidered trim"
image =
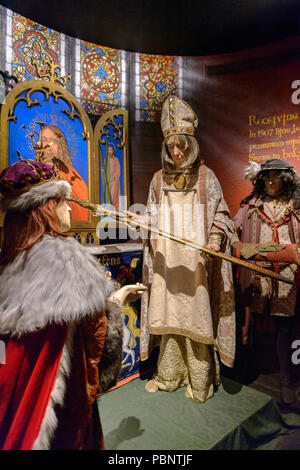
(155, 330)
(179, 130)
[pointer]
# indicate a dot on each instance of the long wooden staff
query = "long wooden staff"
(122, 216)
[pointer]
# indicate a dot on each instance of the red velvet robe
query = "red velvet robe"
(64, 343)
(27, 379)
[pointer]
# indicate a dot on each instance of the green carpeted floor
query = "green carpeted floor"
(237, 417)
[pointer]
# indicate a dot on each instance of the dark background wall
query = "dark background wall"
(145, 145)
(181, 27)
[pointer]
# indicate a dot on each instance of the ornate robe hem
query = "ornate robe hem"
(180, 331)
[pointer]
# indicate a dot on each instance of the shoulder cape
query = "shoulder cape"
(55, 281)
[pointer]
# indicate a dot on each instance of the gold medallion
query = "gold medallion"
(179, 181)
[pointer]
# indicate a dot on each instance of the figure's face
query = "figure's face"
(273, 183)
(49, 144)
(110, 151)
(63, 211)
(177, 150)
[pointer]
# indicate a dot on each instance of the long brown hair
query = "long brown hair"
(23, 229)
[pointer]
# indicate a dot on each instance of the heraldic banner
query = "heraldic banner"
(126, 268)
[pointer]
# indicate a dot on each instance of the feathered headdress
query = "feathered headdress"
(251, 171)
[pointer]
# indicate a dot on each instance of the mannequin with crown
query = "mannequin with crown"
(269, 219)
(189, 311)
(60, 319)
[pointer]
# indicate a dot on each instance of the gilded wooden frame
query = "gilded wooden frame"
(101, 130)
(53, 87)
(51, 84)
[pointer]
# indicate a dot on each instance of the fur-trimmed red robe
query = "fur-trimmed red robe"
(58, 323)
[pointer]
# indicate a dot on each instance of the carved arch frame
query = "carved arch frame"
(121, 135)
(50, 88)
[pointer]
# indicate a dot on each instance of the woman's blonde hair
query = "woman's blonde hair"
(193, 153)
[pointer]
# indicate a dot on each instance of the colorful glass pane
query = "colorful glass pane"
(158, 80)
(100, 78)
(31, 40)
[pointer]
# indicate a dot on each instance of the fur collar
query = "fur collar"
(55, 281)
(37, 196)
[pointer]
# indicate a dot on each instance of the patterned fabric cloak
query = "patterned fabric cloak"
(248, 224)
(216, 219)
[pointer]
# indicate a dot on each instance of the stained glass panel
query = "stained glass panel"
(31, 40)
(100, 78)
(158, 78)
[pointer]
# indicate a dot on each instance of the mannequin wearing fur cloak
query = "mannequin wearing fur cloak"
(190, 307)
(271, 214)
(60, 319)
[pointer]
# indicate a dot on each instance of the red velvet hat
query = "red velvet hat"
(28, 183)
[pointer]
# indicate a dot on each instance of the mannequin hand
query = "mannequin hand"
(129, 293)
(134, 291)
(213, 246)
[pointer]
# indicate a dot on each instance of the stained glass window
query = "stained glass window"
(102, 78)
(99, 73)
(77, 74)
(157, 77)
(31, 40)
(8, 51)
